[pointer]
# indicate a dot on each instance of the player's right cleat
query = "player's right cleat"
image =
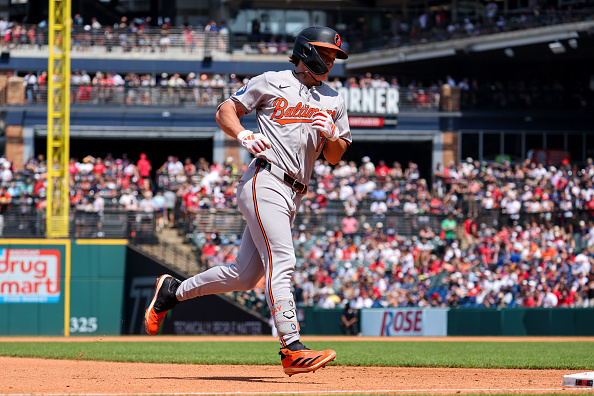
(304, 360)
(163, 300)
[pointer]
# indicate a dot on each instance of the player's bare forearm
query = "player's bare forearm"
(228, 119)
(333, 151)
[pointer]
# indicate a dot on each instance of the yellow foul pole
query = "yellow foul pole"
(58, 118)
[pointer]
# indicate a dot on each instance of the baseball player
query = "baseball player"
(299, 116)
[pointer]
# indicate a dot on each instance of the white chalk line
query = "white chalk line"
(445, 390)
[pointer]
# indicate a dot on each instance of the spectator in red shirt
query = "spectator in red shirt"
(144, 166)
(529, 301)
(209, 249)
(72, 167)
(99, 167)
(486, 251)
(189, 167)
(84, 93)
(381, 170)
(470, 230)
(566, 298)
(38, 187)
(377, 266)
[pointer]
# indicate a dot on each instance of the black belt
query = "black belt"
(295, 184)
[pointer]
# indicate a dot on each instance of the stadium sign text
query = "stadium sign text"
(394, 322)
(29, 275)
(369, 122)
(371, 100)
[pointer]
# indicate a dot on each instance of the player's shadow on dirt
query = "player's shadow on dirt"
(263, 380)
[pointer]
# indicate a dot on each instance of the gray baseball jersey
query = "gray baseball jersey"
(284, 110)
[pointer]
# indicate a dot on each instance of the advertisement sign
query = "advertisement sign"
(376, 101)
(368, 122)
(409, 322)
(29, 275)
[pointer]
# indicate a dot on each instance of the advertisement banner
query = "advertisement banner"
(366, 122)
(29, 275)
(404, 322)
(376, 101)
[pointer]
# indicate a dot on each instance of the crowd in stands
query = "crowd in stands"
(540, 260)
(209, 89)
(538, 254)
(99, 184)
(111, 88)
(533, 263)
(144, 35)
(138, 35)
(202, 89)
(437, 24)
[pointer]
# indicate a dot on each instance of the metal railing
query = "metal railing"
(28, 221)
(418, 99)
(151, 39)
(138, 96)
(409, 225)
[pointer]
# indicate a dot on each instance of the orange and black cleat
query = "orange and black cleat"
(163, 300)
(304, 360)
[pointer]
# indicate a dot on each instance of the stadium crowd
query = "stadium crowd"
(145, 35)
(538, 254)
(141, 35)
(191, 89)
(133, 89)
(542, 260)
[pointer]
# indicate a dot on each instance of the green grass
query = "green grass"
(529, 355)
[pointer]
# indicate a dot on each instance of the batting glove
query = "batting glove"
(322, 122)
(255, 143)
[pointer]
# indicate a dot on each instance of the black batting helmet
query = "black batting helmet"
(317, 36)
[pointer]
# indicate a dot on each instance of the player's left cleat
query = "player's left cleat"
(304, 360)
(163, 300)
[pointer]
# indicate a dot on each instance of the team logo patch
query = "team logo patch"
(337, 40)
(241, 90)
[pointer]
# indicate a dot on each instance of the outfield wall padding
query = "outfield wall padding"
(521, 322)
(106, 293)
(314, 320)
(473, 321)
(97, 288)
(35, 286)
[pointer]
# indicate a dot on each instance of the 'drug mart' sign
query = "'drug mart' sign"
(29, 275)
(404, 322)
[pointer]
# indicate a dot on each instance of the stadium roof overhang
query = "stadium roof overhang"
(558, 43)
(371, 135)
(133, 133)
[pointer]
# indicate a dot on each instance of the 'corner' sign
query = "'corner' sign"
(29, 275)
(370, 100)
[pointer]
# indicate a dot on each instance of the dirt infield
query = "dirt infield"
(41, 376)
